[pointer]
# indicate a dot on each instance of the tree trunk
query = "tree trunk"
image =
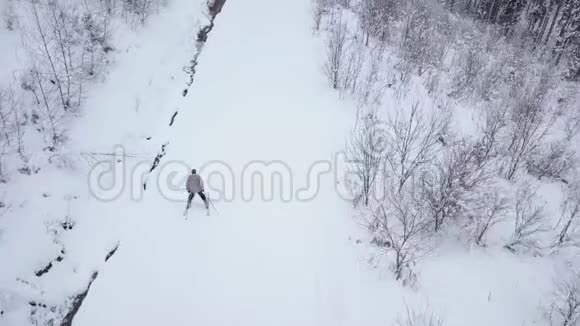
(48, 55)
(554, 20)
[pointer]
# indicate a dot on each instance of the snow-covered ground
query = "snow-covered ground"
(53, 233)
(10, 56)
(259, 97)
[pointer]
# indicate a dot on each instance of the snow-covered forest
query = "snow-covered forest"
(467, 128)
(54, 51)
(458, 202)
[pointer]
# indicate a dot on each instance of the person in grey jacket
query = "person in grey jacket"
(194, 186)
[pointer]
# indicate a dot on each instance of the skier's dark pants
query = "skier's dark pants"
(192, 194)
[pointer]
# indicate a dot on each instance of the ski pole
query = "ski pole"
(211, 202)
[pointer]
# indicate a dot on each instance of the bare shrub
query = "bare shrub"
(572, 127)
(490, 81)
(376, 18)
(490, 210)
(95, 36)
(552, 161)
(530, 121)
(569, 104)
(470, 66)
(67, 45)
(11, 131)
(3, 151)
(565, 307)
(45, 98)
(529, 220)
(39, 38)
(432, 81)
(336, 52)
(138, 11)
(420, 42)
(400, 220)
(346, 4)
(449, 188)
(319, 8)
(367, 19)
(413, 138)
(365, 152)
(11, 122)
(402, 77)
(9, 16)
(371, 87)
(401, 223)
(415, 317)
(415, 43)
(349, 79)
(568, 222)
(5, 122)
(488, 146)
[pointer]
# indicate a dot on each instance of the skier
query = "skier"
(194, 186)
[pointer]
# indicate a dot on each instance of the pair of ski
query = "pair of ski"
(187, 209)
(207, 209)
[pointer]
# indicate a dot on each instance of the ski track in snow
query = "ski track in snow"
(260, 95)
(249, 102)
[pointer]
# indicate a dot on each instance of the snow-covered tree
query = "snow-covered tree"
(401, 223)
(451, 186)
(529, 220)
(413, 138)
(565, 307)
(530, 121)
(336, 57)
(365, 153)
(568, 225)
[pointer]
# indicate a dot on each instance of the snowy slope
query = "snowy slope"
(259, 95)
(43, 263)
(11, 55)
(249, 102)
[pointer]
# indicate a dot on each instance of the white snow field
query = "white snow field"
(259, 95)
